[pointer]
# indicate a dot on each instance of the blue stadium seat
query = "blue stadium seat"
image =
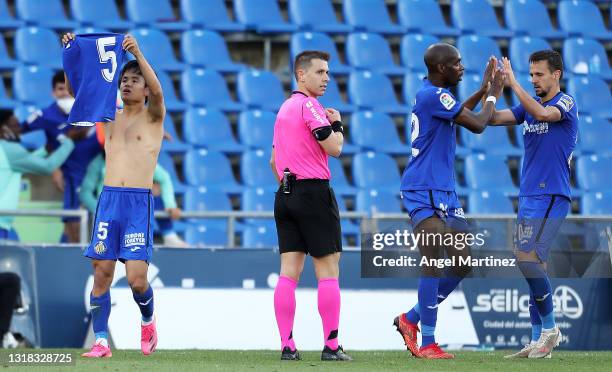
(263, 16)
(154, 13)
(586, 55)
(255, 170)
(211, 129)
(470, 84)
(493, 141)
(207, 49)
(424, 16)
(33, 140)
(211, 169)
(593, 172)
(49, 13)
(597, 203)
(260, 237)
(7, 20)
(260, 89)
(175, 145)
(207, 88)
(489, 202)
(156, 46)
(476, 50)
(338, 178)
(376, 131)
(592, 94)
(165, 160)
(373, 170)
(412, 50)
(378, 201)
(594, 136)
(302, 41)
(374, 91)
(5, 101)
(201, 235)
(332, 98)
(99, 13)
(582, 18)
(203, 199)
(521, 48)
(38, 46)
(370, 51)
(6, 61)
(257, 199)
(23, 112)
(370, 16)
(32, 85)
(172, 102)
(477, 17)
(209, 14)
(316, 15)
(413, 81)
(256, 128)
(522, 15)
(90, 30)
(478, 174)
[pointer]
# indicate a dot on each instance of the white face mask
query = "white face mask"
(65, 104)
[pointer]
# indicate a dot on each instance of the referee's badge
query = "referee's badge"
(100, 248)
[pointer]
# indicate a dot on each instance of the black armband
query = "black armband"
(337, 126)
(321, 134)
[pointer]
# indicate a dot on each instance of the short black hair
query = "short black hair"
(131, 66)
(303, 60)
(5, 114)
(58, 78)
(555, 62)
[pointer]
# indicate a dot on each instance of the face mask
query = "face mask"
(65, 104)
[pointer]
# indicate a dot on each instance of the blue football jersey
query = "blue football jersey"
(432, 163)
(548, 148)
(92, 63)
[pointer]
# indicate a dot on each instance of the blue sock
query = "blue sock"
(145, 303)
(446, 286)
(536, 321)
(541, 290)
(428, 308)
(413, 315)
(100, 311)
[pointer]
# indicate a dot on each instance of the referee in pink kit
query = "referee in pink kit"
(305, 208)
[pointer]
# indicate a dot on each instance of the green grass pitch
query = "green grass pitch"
(227, 360)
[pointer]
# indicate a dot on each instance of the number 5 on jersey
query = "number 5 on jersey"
(106, 55)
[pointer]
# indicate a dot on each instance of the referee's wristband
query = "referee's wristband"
(337, 126)
(491, 99)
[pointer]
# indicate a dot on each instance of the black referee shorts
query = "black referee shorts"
(307, 219)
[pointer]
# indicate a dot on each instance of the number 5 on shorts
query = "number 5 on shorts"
(102, 230)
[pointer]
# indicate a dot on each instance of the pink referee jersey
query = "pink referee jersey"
(294, 144)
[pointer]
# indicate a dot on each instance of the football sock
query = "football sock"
(536, 321)
(145, 303)
(446, 286)
(284, 309)
(329, 309)
(100, 311)
(428, 308)
(541, 289)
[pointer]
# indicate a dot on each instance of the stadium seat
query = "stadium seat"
(38, 46)
(5, 101)
(99, 13)
(90, 30)
(373, 170)
(378, 201)
(49, 13)
(412, 50)
(202, 48)
(207, 88)
(376, 131)
(586, 55)
(582, 18)
(597, 203)
(211, 129)
(6, 61)
(424, 16)
(592, 94)
(525, 81)
(493, 141)
(374, 91)
(7, 20)
(475, 52)
(256, 128)
(316, 15)
(257, 199)
(255, 170)
(175, 144)
(302, 41)
(486, 202)
(165, 160)
(201, 235)
(154, 13)
(522, 15)
(521, 48)
(263, 16)
(593, 172)
(156, 46)
(332, 98)
(413, 81)
(202, 199)
(209, 14)
(172, 102)
(338, 178)
(32, 85)
(211, 169)
(594, 136)
(368, 51)
(370, 16)
(478, 174)
(477, 17)
(260, 237)
(260, 90)
(33, 140)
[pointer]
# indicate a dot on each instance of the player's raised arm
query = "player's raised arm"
(477, 122)
(156, 106)
(489, 73)
(66, 38)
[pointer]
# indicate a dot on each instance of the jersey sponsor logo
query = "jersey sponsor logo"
(134, 239)
(566, 102)
(100, 247)
(447, 101)
(537, 128)
(314, 112)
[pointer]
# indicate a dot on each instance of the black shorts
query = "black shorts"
(307, 219)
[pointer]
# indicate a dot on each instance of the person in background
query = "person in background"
(10, 286)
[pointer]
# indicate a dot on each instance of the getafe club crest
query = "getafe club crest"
(100, 248)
